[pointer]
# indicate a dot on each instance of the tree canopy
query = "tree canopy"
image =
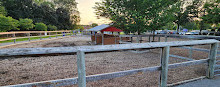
(40, 27)
(213, 12)
(60, 13)
(94, 24)
(142, 15)
(135, 15)
(8, 23)
(26, 24)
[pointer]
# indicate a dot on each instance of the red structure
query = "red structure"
(104, 39)
(111, 29)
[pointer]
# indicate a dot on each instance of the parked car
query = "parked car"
(172, 32)
(218, 32)
(204, 32)
(162, 32)
(195, 32)
(182, 33)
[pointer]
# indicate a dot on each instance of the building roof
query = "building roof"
(99, 28)
(105, 27)
(112, 29)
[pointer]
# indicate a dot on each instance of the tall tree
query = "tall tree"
(134, 15)
(43, 11)
(213, 9)
(180, 15)
(2, 9)
(69, 6)
(196, 12)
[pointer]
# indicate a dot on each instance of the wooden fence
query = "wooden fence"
(166, 36)
(28, 34)
(81, 50)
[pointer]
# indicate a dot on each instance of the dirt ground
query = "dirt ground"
(18, 70)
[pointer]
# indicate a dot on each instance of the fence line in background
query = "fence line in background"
(28, 34)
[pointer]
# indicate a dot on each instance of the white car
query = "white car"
(192, 33)
(182, 33)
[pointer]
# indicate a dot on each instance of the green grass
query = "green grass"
(26, 39)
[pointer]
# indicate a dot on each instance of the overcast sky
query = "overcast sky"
(87, 14)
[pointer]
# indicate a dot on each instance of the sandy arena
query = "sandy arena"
(19, 70)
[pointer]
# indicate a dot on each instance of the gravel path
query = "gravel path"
(34, 69)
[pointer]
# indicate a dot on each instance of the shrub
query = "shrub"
(51, 28)
(26, 24)
(8, 23)
(40, 27)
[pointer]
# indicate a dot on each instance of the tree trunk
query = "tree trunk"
(139, 33)
(201, 28)
(178, 28)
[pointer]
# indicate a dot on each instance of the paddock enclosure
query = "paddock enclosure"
(147, 64)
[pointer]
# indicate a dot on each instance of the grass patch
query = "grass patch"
(26, 39)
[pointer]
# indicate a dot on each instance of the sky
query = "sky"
(87, 13)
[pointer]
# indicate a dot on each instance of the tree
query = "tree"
(180, 15)
(51, 28)
(191, 25)
(58, 14)
(169, 26)
(26, 24)
(2, 10)
(196, 12)
(134, 15)
(94, 24)
(40, 27)
(8, 23)
(70, 9)
(212, 9)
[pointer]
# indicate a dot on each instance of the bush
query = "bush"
(52, 28)
(40, 27)
(26, 24)
(8, 23)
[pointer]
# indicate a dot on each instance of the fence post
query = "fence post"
(159, 39)
(95, 39)
(56, 34)
(212, 60)
(14, 38)
(81, 69)
(164, 66)
(165, 38)
(138, 40)
(190, 51)
(29, 34)
(49, 36)
(103, 38)
(120, 39)
(40, 36)
(115, 39)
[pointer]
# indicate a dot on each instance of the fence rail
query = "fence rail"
(27, 34)
(166, 36)
(81, 50)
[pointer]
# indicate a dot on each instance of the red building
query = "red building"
(104, 34)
